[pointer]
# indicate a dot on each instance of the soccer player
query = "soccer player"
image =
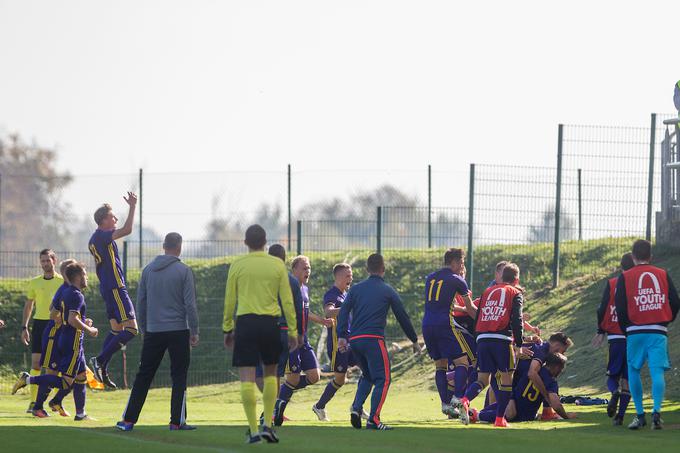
(39, 293)
(49, 360)
(646, 302)
(112, 287)
(72, 363)
(498, 274)
(255, 284)
(443, 342)
(303, 358)
(340, 361)
(617, 366)
(527, 399)
(367, 304)
(498, 325)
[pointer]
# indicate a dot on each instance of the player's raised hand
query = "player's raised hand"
(342, 344)
(229, 340)
(131, 199)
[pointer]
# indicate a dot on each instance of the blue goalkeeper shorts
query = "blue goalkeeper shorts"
(648, 347)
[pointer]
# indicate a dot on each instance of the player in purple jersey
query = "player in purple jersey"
(72, 356)
(303, 358)
(119, 307)
(340, 361)
(441, 289)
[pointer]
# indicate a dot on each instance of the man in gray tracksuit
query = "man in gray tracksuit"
(168, 320)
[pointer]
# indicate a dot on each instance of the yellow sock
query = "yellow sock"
(34, 387)
(269, 398)
(249, 400)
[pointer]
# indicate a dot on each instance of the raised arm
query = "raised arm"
(131, 200)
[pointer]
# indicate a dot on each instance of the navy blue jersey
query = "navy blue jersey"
(441, 288)
(56, 300)
(540, 350)
(367, 303)
(333, 298)
(528, 398)
(72, 300)
(105, 252)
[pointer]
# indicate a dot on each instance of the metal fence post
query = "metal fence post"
(378, 231)
(290, 226)
(429, 206)
(558, 204)
(299, 237)
(141, 211)
(470, 262)
(650, 182)
(580, 208)
(125, 260)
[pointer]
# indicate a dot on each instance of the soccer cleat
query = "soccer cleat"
(464, 410)
(321, 414)
(618, 421)
(253, 438)
(107, 380)
(40, 413)
(549, 415)
(378, 426)
(279, 407)
(355, 418)
(96, 369)
(124, 426)
(657, 423)
(365, 415)
(30, 407)
(21, 383)
(56, 407)
(613, 404)
(638, 422)
(450, 410)
(84, 418)
(268, 434)
(474, 415)
(182, 427)
(500, 422)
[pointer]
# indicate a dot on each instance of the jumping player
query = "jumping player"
(72, 363)
(498, 325)
(303, 358)
(617, 366)
(443, 342)
(646, 302)
(119, 307)
(367, 304)
(39, 294)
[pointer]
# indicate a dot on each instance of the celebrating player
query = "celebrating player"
(646, 302)
(255, 284)
(303, 358)
(498, 326)
(340, 361)
(119, 307)
(39, 294)
(617, 366)
(443, 342)
(367, 304)
(72, 363)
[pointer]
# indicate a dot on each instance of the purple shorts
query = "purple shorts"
(440, 341)
(495, 355)
(465, 345)
(617, 364)
(302, 359)
(50, 351)
(118, 304)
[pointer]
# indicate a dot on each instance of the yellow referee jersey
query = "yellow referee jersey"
(255, 284)
(41, 291)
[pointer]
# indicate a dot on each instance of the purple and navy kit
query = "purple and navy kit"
(528, 398)
(540, 350)
(340, 361)
(70, 343)
(110, 274)
(617, 363)
(50, 354)
(303, 358)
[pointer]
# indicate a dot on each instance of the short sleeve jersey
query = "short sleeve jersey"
(72, 301)
(305, 309)
(441, 288)
(105, 252)
(333, 297)
(529, 394)
(42, 291)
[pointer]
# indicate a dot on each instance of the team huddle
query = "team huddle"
(476, 344)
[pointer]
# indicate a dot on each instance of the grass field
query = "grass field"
(412, 407)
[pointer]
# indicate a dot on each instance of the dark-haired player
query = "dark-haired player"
(303, 358)
(646, 302)
(617, 366)
(72, 356)
(498, 325)
(112, 287)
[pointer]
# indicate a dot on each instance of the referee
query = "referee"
(257, 281)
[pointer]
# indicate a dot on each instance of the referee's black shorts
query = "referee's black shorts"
(37, 330)
(257, 338)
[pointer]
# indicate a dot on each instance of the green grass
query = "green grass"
(411, 407)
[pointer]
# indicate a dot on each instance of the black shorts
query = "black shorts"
(257, 339)
(37, 330)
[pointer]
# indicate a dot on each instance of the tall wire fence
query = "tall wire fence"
(605, 188)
